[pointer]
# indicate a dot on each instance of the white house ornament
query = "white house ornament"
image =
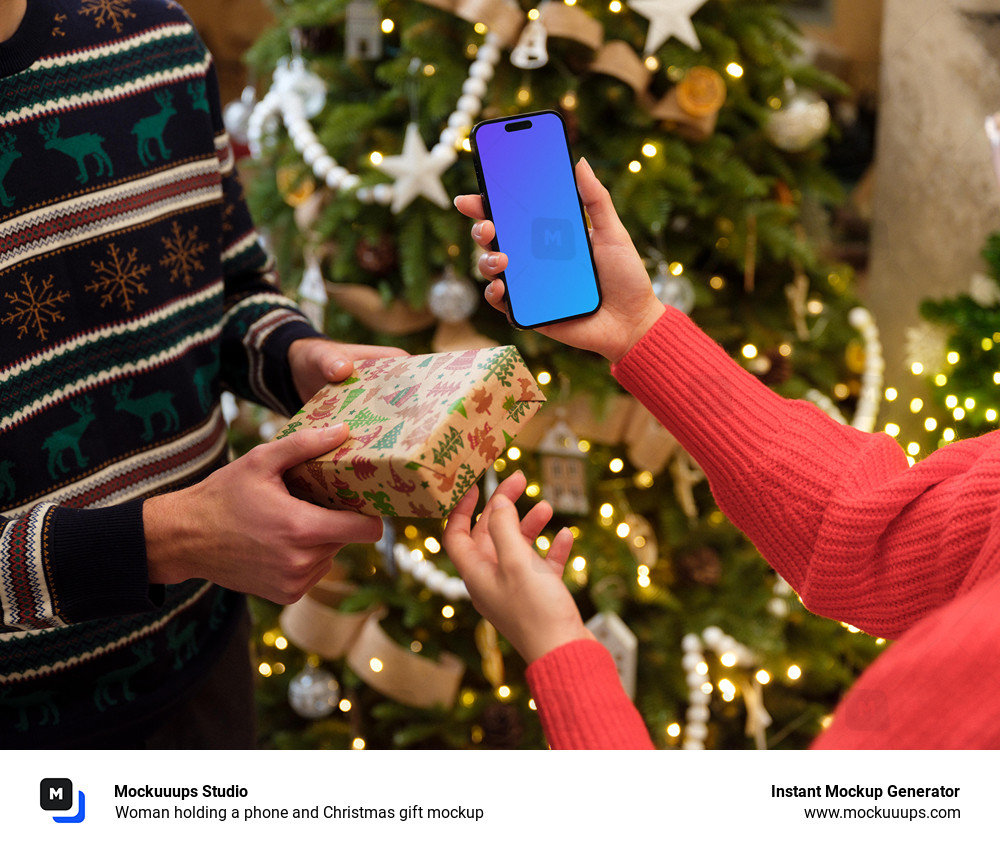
(363, 31)
(418, 171)
(611, 631)
(564, 471)
(668, 18)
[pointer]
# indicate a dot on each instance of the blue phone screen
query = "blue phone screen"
(526, 176)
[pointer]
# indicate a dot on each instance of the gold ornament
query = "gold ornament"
(294, 187)
(702, 91)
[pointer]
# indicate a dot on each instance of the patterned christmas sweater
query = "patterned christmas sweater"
(133, 290)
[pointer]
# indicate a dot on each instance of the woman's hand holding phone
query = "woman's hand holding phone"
(629, 307)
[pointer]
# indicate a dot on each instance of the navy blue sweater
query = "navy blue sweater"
(133, 290)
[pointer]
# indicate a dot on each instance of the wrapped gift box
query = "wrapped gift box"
(423, 429)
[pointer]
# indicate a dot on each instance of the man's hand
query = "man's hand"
(241, 529)
(316, 362)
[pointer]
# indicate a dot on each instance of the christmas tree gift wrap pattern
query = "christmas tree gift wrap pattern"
(423, 429)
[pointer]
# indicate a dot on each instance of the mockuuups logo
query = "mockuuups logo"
(56, 795)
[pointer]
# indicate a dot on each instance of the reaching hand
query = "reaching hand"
(316, 361)
(241, 529)
(511, 585)
(629, 307)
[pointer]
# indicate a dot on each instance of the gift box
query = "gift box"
(423, 429)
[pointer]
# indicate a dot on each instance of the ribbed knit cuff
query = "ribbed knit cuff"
(581, 702)
(99, 562)
(278, 373)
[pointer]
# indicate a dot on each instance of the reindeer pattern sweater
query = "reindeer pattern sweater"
(133, 289)
(909, 553)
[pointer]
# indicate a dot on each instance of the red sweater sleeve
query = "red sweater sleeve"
(581, 702)
(861, 535)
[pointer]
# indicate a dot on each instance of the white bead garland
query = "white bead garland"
(696, 675)
(870, 397)
(449, 586)
(292, 98)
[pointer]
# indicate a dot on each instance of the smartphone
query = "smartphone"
(525, 174)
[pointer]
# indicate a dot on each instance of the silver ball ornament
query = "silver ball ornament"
(313, 693)
(674, 290)
(452, 299)
(802, 120)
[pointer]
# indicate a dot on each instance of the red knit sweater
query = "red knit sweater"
(906, 553)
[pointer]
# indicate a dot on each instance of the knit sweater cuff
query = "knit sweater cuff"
(581, 702)
(99, 563)
(279, 375)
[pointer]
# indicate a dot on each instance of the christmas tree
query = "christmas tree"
(707, 127)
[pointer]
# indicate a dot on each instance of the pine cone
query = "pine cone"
(700, 565)
(378, 256)
(503, 728)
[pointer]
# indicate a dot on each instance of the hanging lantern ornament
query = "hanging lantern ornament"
(452, 299)
(674, 290)
(801, 121)
(313, 693)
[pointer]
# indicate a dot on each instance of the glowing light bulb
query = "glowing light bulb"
(606, 510)
(375, 664)
(388, 25)
(375, 157)
(281, 643)
(616, 465)
(447, 612)
(432, 546)
(916, 405)
(264, 669)
(358, 744)
(952, 357)
(623, 530)
(917, 368)
(344, 705)
(579, 563)
(674, 730)
(890, 393)
(635, 166)
(794, 672)
(892, 429)
(735, 70)
(930, 423)
(728, 659)
(544, 378)
(649, 149)
(513, 452)
(749, 351)
(763, 677)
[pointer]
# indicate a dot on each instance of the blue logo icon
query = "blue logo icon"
(56, 795)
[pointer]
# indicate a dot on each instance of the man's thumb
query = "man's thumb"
(304, 445)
